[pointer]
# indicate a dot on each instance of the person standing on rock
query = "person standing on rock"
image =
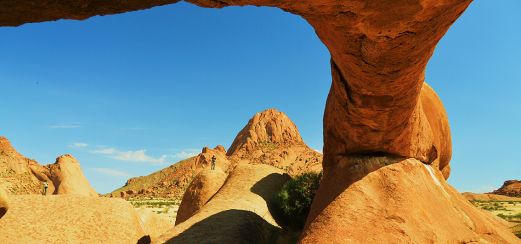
(45, 186)
(213, 162)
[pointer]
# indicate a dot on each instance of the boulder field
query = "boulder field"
(386, 137)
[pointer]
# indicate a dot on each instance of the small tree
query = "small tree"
(295, 197)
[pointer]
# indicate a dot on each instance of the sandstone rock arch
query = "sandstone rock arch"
(379, 51)
(378, 112)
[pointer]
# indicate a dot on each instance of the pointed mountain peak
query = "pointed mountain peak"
(269, 127)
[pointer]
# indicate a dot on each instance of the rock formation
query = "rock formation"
(237, 213)
(391, 205)
(171, 182)
(20, 175)
(67, 177)
(69, 219)
(377, 106)
(270, 137)
(199, 192)
(4, 203)
(510, 188)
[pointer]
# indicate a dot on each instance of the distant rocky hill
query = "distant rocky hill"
(171, 182)
(510, 188)
(488, 197)
(270, 137)
(20, 175)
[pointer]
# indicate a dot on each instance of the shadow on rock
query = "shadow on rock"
(230, 226)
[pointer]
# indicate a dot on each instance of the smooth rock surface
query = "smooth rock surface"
(199, 192)
(68, 178)
(401, 201)
(237, 213)
(69, 219)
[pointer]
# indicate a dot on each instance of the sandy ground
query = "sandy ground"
(163, 207)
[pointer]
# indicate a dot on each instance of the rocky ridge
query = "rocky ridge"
(510, 188)
(269, 137)
(20, 175)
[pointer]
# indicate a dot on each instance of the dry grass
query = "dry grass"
(162, 206)
(508, 210)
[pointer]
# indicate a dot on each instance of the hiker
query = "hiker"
(45, 186)
(213, 162)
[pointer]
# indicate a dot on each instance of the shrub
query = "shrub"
(294, 199)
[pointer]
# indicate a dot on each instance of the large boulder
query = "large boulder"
(400, 201)
(68, 178)
(238, 213)
(70, 219)
(4, 202)
(439, 123)
(199, 192)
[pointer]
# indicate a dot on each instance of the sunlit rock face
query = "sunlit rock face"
(382, 124)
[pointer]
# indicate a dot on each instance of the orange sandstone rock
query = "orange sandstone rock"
(394, 204)
(237, 213)
(68, 178)
(199, 192)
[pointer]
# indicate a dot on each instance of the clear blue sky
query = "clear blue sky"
(132, 93)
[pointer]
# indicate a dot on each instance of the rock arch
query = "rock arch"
(379, 110)
(379, 51)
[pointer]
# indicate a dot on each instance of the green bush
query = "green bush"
(294, 199)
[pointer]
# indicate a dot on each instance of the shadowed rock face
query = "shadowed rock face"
(238, 213)
(4, 205)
